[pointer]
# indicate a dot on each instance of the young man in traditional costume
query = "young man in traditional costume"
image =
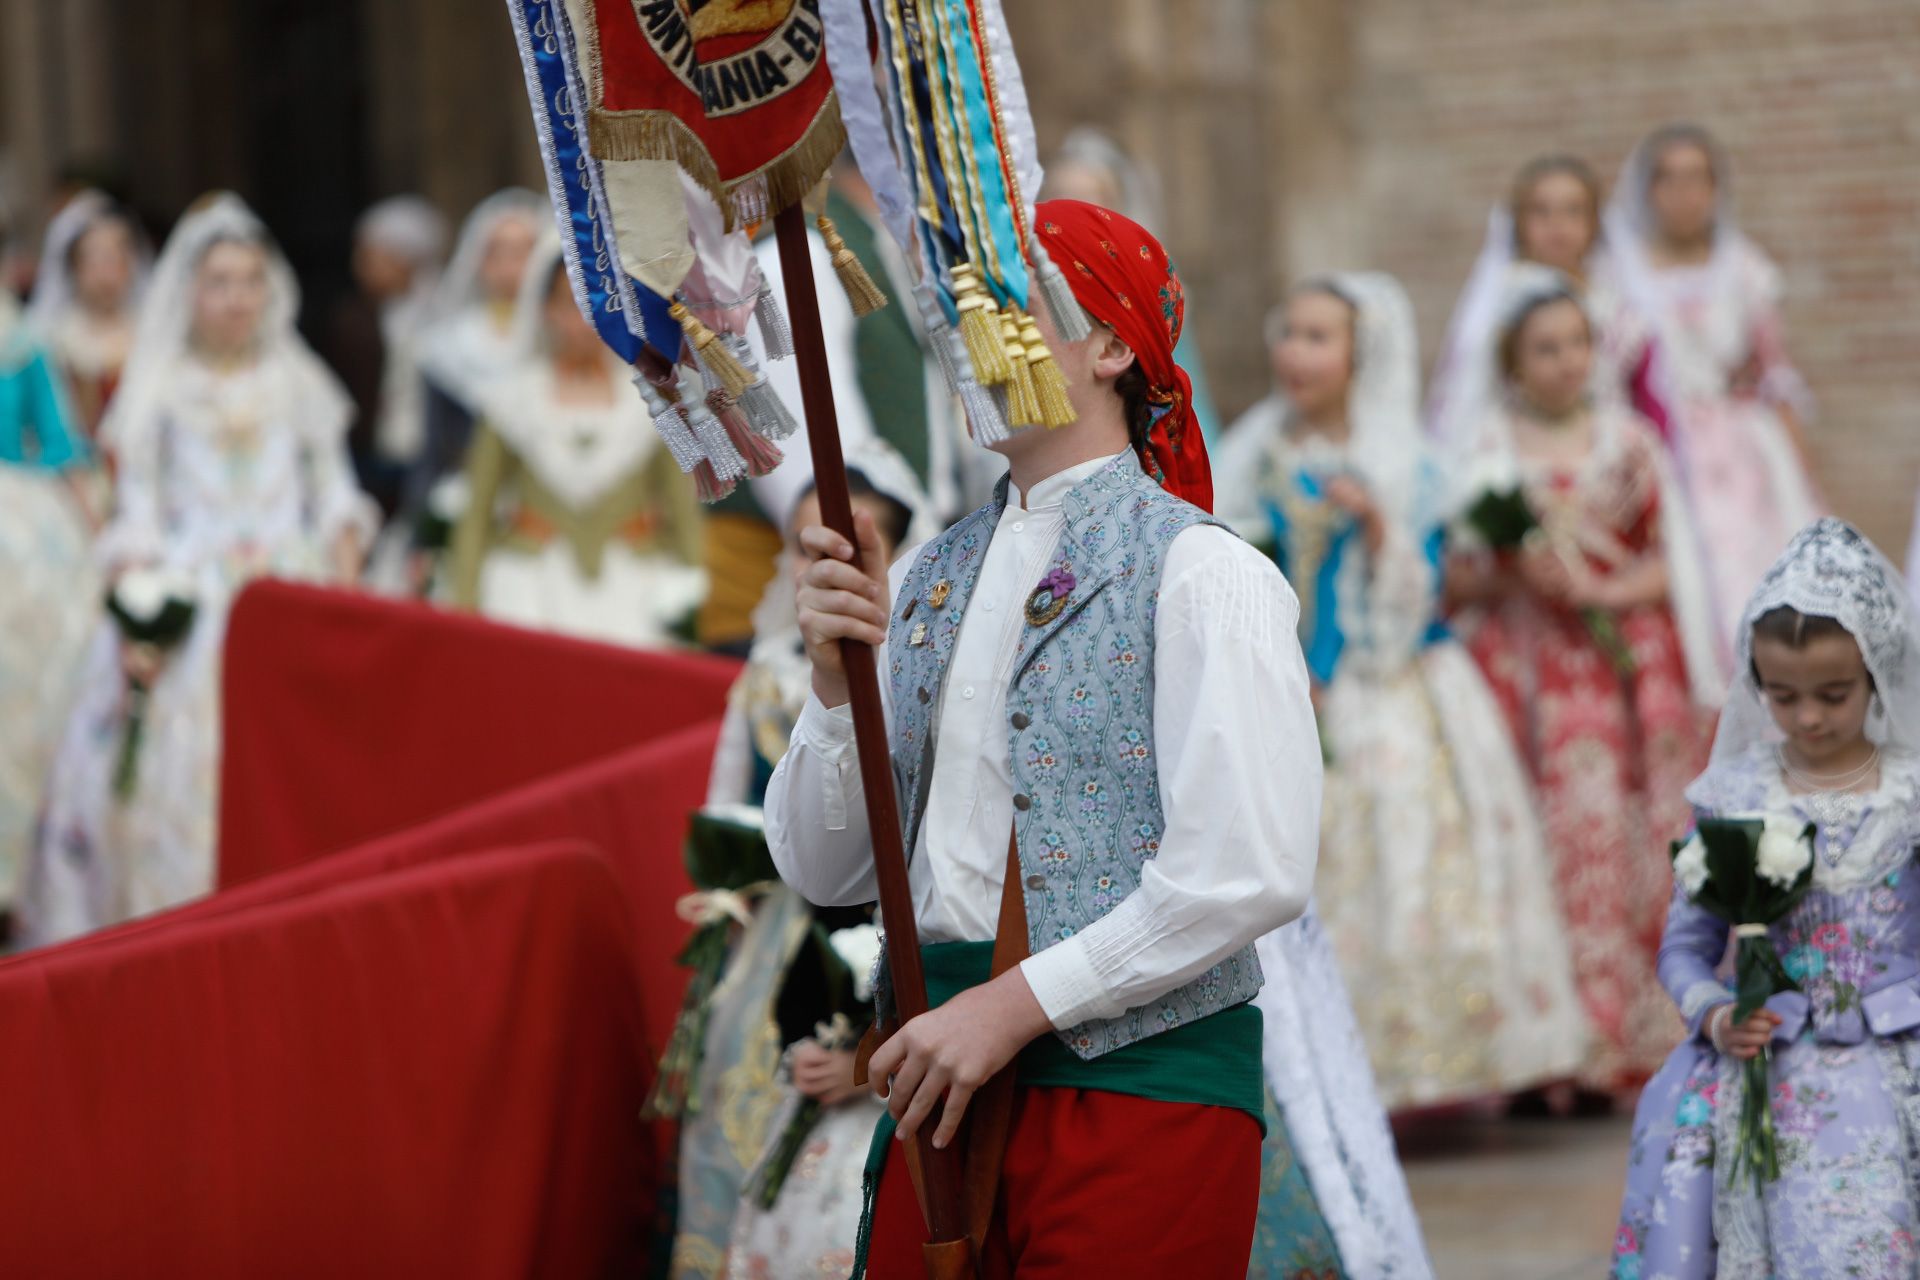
(1093, 669)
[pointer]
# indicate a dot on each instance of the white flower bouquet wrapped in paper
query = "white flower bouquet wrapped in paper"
(154, 610)
(1750, 871)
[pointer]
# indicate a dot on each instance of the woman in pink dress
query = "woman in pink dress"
(1734, 402)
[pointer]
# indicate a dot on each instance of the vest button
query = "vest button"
(1021, 720)
(1022, 802)
(1036, 882)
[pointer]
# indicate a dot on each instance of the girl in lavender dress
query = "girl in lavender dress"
(1825, 731)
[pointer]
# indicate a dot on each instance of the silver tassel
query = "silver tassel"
(728, 465)
(986, 418)
(941, 337)
(1069, 319)
(773, 324)
(765, 411)
(671, 424)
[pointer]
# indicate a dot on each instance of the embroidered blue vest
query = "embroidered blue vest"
(1080, 723)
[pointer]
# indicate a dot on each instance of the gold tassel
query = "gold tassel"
(712, 353)
(979, 328)
(1049, 383)
(862, 292)
(1023, 406)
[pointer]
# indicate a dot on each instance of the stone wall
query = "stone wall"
(1303, 135)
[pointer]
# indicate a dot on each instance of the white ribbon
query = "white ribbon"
(1016, 118)
(1751, 930)
(710, 906)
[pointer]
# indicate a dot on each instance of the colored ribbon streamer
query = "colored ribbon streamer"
(994, 199)
(864, 116)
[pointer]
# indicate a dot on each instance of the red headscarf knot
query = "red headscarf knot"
(1124, 279)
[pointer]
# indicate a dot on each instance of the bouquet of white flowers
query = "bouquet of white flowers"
(1750, 871)
(154, 610)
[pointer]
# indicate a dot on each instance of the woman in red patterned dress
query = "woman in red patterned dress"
(1595, 637)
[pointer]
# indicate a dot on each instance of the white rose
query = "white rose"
(143, 593)
(1690, 866)
(859, 948)
(449, 497)
(1784, 851)
(1496, 472)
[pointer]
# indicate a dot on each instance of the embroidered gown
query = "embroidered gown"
(1610, 755)
(236, 475)
(50, 592)
(744, 1097)
(1431, 885)
(1846, 1064)
(1723, 370)
(577, 519)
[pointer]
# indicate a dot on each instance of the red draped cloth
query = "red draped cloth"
(434, 1071)
(424, 1055)
(349, 717)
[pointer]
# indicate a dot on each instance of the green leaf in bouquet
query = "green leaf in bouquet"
(1606, 633)
(165, 630)
(432, 532)
(1757, 976)
(1503, 519)
(1731, 874)
(727, 848)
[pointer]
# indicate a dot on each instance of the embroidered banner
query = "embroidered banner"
(737, 92)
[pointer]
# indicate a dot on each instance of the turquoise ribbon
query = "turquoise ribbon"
(968, 89)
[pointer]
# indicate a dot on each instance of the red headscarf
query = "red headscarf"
(1124, 280)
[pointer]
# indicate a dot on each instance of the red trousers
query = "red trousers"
(1100, 1184)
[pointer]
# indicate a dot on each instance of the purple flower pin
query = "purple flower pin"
(1049, 599)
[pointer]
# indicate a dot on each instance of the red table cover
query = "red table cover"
(435, 1071)
(348, 717)
(632, 807)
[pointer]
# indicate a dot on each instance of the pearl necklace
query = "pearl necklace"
(1829, 782)
(1831, 801)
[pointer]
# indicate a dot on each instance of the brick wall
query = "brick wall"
(1315, 134)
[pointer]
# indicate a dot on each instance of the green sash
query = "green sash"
(1214, 1062)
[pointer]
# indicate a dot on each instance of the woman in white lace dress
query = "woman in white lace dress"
(230, 440)
(1433, 884)
(577, 518)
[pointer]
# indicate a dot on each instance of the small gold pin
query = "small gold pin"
(918, 636)
(938, 596)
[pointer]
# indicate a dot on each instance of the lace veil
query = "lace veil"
(1830, 570)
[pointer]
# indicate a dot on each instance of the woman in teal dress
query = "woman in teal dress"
(50, 593)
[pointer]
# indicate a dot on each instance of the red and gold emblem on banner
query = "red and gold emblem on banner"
(736, 92)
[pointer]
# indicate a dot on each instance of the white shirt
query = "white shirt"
(1236, 750)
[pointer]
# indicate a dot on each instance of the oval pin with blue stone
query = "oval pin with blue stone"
(1049, 599)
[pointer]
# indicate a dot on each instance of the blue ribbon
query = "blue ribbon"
(624, 313)
(923, 90)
